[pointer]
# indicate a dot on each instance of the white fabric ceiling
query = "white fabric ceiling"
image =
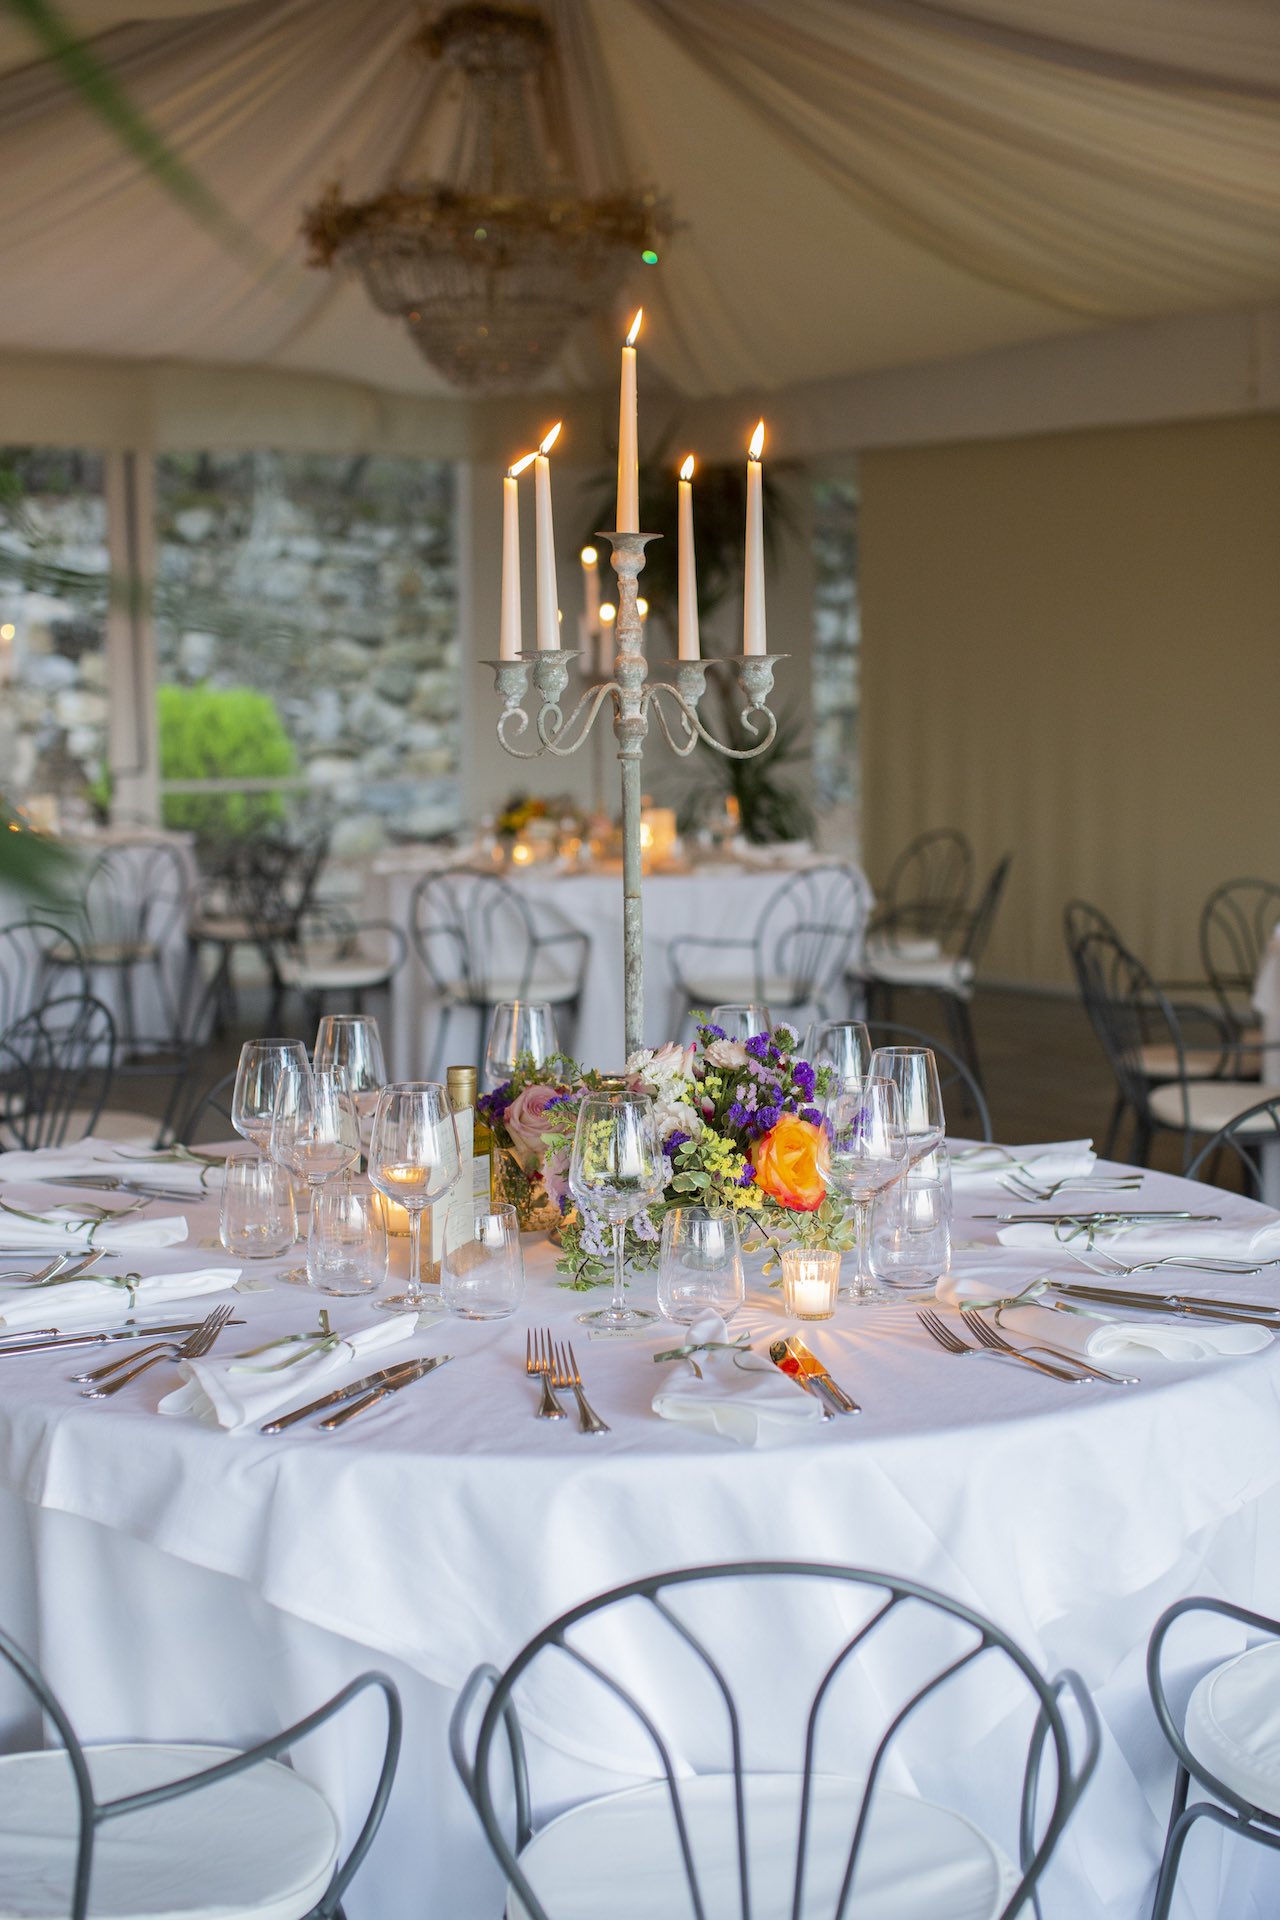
(861, 183)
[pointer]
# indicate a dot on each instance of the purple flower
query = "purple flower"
(758, 1044)
(747, 1178)
(803, 1075)
(737, 1115)
(712, 1033)
(767, 1117)
(673, 1140)
(812, 1115)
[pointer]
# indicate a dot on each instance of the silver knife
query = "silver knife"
(1101, 1217)
(413, 1372)
(49, 1340)
(1226, 1312)
(382, 1377)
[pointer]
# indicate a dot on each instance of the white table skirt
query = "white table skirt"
(720, 902)
(180, 1580)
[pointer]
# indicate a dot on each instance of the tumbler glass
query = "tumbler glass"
(700, 1265)
(257, 1220)
(346, 1241)
(482, 1273)
(911, 1227)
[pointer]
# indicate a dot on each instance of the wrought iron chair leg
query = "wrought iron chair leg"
(442, 1034)
(1179, 1829)
(1141, 1147)
(1118, 1111)
(960, 1022)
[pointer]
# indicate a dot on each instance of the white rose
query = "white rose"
(676, 1116)
(729, 1054)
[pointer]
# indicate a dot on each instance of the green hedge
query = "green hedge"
(222, 733)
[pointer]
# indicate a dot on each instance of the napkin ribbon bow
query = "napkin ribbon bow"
(310, 1346)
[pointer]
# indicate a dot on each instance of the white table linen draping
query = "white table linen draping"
(718, 901)
(182, 1582)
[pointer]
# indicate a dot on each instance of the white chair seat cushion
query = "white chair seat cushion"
(619, 1856)
(555, 988)
(318, 973)
(1210, 1103)
(263, 1844)
(1160, 1062)
(943, 973)
(1233, 1725)
(709, 990)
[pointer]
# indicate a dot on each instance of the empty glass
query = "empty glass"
(911, 1227)
(314, 1128)
(842, 1046)
(256, 1220)
(868, 1153)
(740, 1019)
(519, 1028)
(700, 1266)
(413, 1160)
(352, 1043)
(617, 1170)
(263, 1065)
(482, 1273)
(346, 1241)
(914, 1072)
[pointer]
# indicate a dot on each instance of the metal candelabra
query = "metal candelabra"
(633, 693)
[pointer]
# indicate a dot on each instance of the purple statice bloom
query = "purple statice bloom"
(643, 1228)
(758, 1045)
(738, 1115)
(712, 1033)
(673, 1140)
(812, 1115)
(747, 1178)
(803, 1075)
(767, 1117)
(494, 1105)
(592, 1239)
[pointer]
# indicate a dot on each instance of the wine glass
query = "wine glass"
(263, 1066)
(519, 1028)
(315, 1131)
(868, 1153)
(914, 1072)
(617, 1170)
(700, 1266)
(740, 1019)
(843, 1046)
(413, 1161)
(352, 1043)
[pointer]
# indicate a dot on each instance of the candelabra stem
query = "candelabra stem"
(630, 724)
(632, 906)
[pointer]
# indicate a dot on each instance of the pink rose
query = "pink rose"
(528, 1122)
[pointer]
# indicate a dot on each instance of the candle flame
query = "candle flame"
(515, 471)
(642, 607)
(608, 612)
(686, 471)
(551, 438)
(757, 442)
(590, 557)
(635, 327)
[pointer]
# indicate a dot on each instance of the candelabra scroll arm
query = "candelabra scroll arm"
(589, 703)
(695, 731)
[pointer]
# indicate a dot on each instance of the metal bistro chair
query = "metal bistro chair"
(329, 952)
(208, 1116)
(132, 912)
(1226, 1741)
(926, 891)
(479, 942)
(1167, 1083)
(826, 1837)
(1236, 924)
(1246, 1138)
(201, 1829)
(950, 971)
(807, 932)
(56, 1069)
(954, 1074)
(28, 976)
(257, 897)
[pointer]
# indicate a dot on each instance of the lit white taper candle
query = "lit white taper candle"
(753, 634)
(591, 589)
(628, 514)
(544, 529)
(688, 594)
(509, 637)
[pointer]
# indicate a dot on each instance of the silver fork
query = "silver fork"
(193, 1347)
(1023, 1187)
(567, 1375)
(538, 1362)
(1102, 1261)
(992, 1337)
(952, 1343)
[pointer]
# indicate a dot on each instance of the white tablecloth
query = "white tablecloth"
(177, 1580)
(720, 901)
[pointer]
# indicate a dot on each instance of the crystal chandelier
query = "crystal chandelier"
(493, 266)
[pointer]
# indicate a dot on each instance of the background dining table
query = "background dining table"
(177, 1580)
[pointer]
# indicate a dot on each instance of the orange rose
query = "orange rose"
(790, 1160)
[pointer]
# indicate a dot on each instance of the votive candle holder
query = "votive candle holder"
(810, 1282)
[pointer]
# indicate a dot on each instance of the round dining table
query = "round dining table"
(178, 1581)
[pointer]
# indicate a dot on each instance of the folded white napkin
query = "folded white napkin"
(983, 1167)
(74, 1228)
(1135, 1243)
(741, 1396)
(1105, 1337)
(91, 1158)
(106, 1301)
(241, 1392)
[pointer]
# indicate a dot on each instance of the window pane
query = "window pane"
(307, 632)
(836, 635)
(53, 616)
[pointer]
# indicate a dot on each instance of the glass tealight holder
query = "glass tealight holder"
(257, 1219)
(346, 1241)
(810, 1282)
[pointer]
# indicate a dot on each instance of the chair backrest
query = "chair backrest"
(710, 1677)
(209, 1115)
(1236, 924)
(809, 931)
(1243, 1141)
(927, 888)
(136, 893)
(1128, 1012)
(1080, 918)
(954, 1074)
(475, 935)
(50, 1709)
(27, 975)
(56, 1067)
(983, 917)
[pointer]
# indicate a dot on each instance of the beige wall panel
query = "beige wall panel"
(1071, 647)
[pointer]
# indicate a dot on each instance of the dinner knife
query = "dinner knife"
(1202, 1306)
(335, 1399)
(413, 1372)
(49, 1340)
(793, 1358)
(1102, 1217)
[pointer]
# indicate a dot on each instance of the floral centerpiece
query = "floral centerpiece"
(740, 1130)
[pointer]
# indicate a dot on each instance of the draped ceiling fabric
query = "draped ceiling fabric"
(861, 184)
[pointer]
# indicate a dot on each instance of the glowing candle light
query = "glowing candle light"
(753, 634)
(689, 648)
(591, 599)
(608, 614)
(509, 630)
(628, 514)
(548, 597)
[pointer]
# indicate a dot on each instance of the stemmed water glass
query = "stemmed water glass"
(739, 1019)
(868, 1153)
(351, 1043)
(263, 1066)
(617, 1170)
(519, 1028)
(413, 1161)
(914, 1072)
(842, 1046)
(314, 1129)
